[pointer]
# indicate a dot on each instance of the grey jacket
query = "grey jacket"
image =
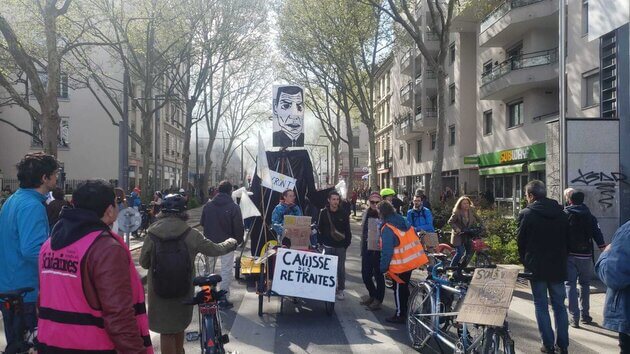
(221, 219)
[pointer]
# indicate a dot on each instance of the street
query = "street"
(305, 328)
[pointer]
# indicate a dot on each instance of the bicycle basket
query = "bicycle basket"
(479, 245)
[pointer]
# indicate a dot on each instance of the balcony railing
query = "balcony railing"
(430, 112)
(518, 62)
(405, 92)
(431, 36)
(496, 14)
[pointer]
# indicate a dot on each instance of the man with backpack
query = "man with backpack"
(583, 229)
(169, 253)
(419, 217)
(221, 219)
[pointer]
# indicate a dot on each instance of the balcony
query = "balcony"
(513, 18)
(427, 121)
(427, 81)
(406, 127)
(405, 63)
(520, 73)
(405, 94)
(431, 41)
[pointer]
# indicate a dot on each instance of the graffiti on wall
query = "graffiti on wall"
(604, 182)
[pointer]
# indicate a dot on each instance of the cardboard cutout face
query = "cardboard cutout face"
(288, 114)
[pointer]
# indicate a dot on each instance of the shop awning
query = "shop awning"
(536, 166)
(499, 170)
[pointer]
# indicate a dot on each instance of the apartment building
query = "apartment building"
(386, 97)
(360, 156)
(89, 142)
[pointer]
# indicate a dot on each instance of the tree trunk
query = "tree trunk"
(435, 186)
(349, 136)
(50, 106)
(147, 149)
(372, 150)
(186, 151)
(205, 182)
(227, 153)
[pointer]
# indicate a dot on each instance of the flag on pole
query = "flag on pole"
(262, 166)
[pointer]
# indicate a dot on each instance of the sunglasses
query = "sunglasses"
(374, 201)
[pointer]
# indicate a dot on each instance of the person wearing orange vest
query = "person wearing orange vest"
(91, 297)
(401, 253)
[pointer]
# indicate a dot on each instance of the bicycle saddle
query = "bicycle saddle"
(14, 294)
(212, 279)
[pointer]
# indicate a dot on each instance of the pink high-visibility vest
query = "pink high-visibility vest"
(66, 320)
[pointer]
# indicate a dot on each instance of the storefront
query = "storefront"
(504, 174)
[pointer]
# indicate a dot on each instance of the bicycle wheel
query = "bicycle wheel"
(330, 307)
(497, 341)
(421, 302)
(201, 264)
(219, 339)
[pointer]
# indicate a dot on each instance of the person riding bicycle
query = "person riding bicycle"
(24, 230)
(168, 315)
(286, 206)
(465, 224)
(88, 277)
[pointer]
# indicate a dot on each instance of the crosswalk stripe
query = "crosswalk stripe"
(362, 328)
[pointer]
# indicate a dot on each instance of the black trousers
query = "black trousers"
(401, 294)
(370, 272)
(624, 343)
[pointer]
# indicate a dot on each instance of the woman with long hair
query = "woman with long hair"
(462, 220)
(287, 206)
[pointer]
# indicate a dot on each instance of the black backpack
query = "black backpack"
(580, 233)
(171, 266)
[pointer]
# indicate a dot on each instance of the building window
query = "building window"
(433, 140)
(451, 135)
(515, 114)
(451, 93)
(63, 134)
(487, 122)
(584, 17)
(590, 89)
(487, 68)
(355, 161)
(451, 54)
(401, 150)
(355, 142)
(168, 142)
(408, 153)
(418, 150)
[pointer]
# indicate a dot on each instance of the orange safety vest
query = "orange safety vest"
(408, 255)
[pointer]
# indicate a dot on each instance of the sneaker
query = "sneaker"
(225, 305)
(374, 306)
(587, 320)
(544, 349)
(366, 300)
(574, 322)
(562, 351)
(340, 296)
(395, 319)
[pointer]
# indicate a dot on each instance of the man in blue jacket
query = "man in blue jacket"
(420, 217)
(613, 269)
(24, 230)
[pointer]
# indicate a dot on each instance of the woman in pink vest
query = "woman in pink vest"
(91, 297)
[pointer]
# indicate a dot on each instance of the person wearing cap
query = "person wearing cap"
(371, 259)
(389, 195)
(170, 317)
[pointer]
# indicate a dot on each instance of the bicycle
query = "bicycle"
(211, 337)
(13, 301)
(433, 307)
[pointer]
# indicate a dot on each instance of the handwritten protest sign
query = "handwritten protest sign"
(488, 297)
(304, 274)
(373, 235)
(279, 182)
(298, 230)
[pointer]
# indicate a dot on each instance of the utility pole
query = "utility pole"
(123, 137)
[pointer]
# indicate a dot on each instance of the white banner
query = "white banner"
(305, 274)
(279, 182)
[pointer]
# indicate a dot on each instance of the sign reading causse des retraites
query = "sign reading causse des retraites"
(304, 274)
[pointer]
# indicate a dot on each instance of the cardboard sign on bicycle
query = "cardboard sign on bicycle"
(298, 230)
(308, 275)
(488, 297)
(430, 241)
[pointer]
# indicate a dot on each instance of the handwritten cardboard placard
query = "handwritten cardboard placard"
(304, 274)
(298, 230)
(373, 235)
(279, 182)
(488, 297)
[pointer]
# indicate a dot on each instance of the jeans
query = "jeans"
(371, 273)
(15, 326)
(557, 293)
(459, 253)
(401, 293)
(227, 272)
(579, 270)
(341, 265)
(464, 251)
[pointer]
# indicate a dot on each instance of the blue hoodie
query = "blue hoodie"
(420, 219)
(613, 269)
(24, 228)
(390, 240)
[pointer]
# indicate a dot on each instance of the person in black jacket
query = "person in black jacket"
(543, 230)
(221, 219)
(335, 235)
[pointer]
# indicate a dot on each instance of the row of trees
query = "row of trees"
(204, 56)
